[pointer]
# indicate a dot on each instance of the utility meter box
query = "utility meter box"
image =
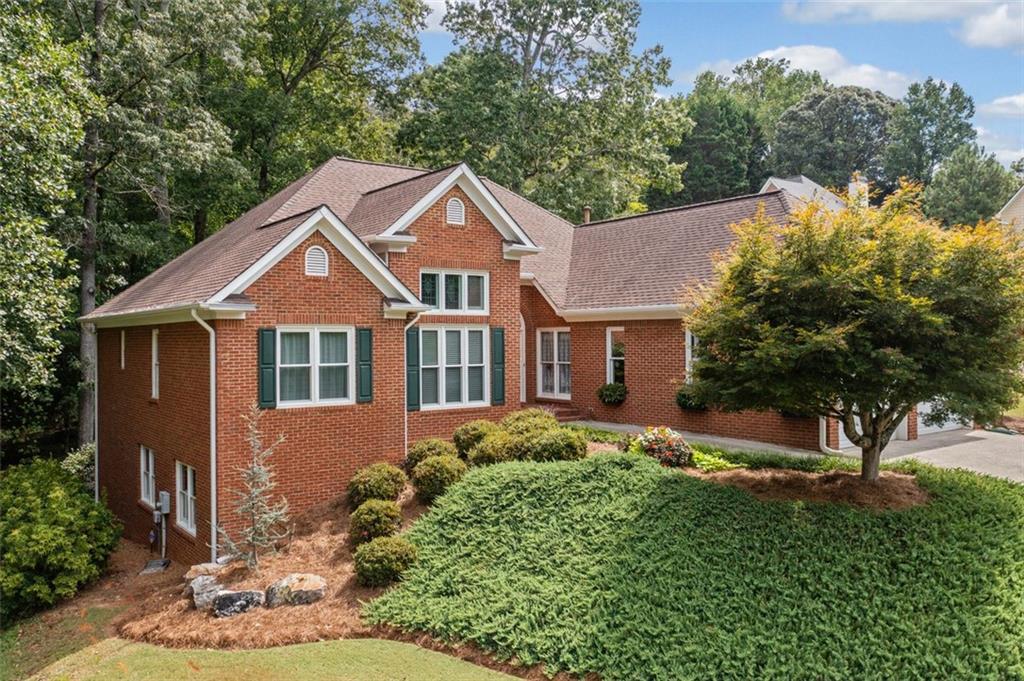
(165, 502)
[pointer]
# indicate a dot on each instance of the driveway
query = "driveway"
(981, 451)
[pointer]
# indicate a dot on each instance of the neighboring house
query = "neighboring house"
(1013, 212)
(805, 189)
(366, 306)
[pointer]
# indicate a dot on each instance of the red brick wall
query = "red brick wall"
(655, 368)
(176, 427)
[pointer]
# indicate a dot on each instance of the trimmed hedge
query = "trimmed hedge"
(430, 447)
(382, 561)
(53, 536)
(374, 518)
(529, 421)
(433, 475)
(469, 435)
(494, 448)
(549, 444)
(376, 481)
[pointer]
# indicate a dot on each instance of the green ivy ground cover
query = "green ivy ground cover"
(617, 566)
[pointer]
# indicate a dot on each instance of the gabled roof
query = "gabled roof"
(805, 189)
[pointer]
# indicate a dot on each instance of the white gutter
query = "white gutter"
(405, 407)
(823, 438)
(213, 433)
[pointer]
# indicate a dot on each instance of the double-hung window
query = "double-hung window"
(453, 366)
(455, 292)
(186, 498)
(314, 365)
(554, 368)
(154, 367)
(147, 476)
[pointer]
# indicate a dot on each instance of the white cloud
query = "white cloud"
(1002, 146)
(437, 12)
(1011, 105)
(981, 24)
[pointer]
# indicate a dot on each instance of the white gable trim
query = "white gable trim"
(1013, 199)
(479, 194)
(323, 220)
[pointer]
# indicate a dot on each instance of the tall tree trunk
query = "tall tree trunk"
(264, 181)
(871, 457)
(198, 225)
(88, 244)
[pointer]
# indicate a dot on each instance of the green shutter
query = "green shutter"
(364, 357)
(268, 374)
(497, 365)
(412, 369)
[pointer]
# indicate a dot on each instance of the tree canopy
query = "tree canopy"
(970, 186)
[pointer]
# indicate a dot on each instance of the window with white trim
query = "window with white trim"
(122, 348)
(453, 366)
(316, 262)
(455, 291)
(154, 367)
(615, 346)
(147, 476)
(185, 506)
(314, 365)
(554, 368)
(692, 354)
(455, 212)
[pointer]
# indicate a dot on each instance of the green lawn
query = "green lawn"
(30, 644)
(354, 660)
(1018, 412)
(617, 566)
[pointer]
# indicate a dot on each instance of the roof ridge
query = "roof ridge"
(380, 163)
(305, 180)
(410, 179)
(679, 208)
(529, 201)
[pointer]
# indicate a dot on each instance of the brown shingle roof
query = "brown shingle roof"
(378, 209)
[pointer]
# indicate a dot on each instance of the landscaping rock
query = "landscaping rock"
(231, 603)
(225, 559)
(296, 589)
(203, 590)
(202, 569)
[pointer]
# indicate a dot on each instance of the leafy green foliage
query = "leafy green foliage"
(768, 87)
(970, 186)
(528, 420)
(469, 435)
(612, 394)
(687, 399)
(376, 481)
(435, 474)
(54, 536)
(664, 445)
(862, 314)
(710, 463)
(557, 444)
(81, 462)
(430, 447)
(374, 518)
(496, 447)
(382, 561)
(581, 566)
(593, 434)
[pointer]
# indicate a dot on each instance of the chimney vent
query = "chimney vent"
(586, 214)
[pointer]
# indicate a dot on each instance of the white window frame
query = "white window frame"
(692, 343)
(185, 499)
(609, 360)
(154, 364)
(314, 366)
(442, 366)
(147, 476)
(122, 348)
(327, 262)
(464, 275)
(448, 211)
(555, 330)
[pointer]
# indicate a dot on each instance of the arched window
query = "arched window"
(316, 262)
(455, 212)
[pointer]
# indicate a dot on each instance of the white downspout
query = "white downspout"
(823, 438)
(213, 433)
(405, 405)
(96, 437)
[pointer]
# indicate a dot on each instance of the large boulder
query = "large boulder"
(202, 590)
(202, 569)
(296, 589)
(231, 603)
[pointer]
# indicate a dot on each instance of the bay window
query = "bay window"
(453, 367)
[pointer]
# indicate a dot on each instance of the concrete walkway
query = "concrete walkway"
(981, 451)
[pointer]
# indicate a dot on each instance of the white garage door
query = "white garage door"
(900, 433)
(923, 429)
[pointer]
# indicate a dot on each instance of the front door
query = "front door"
(554, 368)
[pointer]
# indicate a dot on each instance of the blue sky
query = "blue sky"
(883, 45)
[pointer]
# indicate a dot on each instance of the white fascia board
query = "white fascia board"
(482, 197)
(401, 310)
(611, 314)
(399, 243)
(343, 239)
(517, 251)
(169, 315)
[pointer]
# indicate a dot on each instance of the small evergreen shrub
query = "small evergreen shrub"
(374, 518)
(688, 401)
(529, 421)
(53, 536)
(434, 474)
(494, 448)
(560, 444)
(664, 445)
(430, 447)
(612, 394)
(469, 435)
(710, 463)
(376, 481)
(382, 561)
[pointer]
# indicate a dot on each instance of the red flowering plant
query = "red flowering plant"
(665, 445)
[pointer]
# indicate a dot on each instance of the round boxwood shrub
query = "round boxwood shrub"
(500, 446)
(54, 536)
(382, 561)
(612, 394)
(687, 400)
(469, 435)
(529, 421)
(434, 474)
(376, 481)
(374, 518)
(430, 447)
(560, 444)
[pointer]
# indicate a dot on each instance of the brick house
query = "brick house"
(366, 306)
